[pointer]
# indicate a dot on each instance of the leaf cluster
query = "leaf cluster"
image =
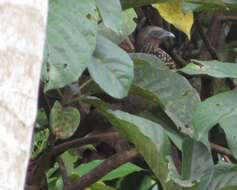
(127, 115)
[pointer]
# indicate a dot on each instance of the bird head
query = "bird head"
(160, 34)
(153, 35)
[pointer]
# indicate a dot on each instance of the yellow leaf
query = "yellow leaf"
(172, 12)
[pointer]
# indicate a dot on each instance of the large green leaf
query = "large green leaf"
(222, 177)
(128, 26)
(111, 68)
(64, 120)
(111, 13)
(156, 82)
(69, 158)
(228, 124)
(71, 39)
(214, 110)
(196, 164)
(158, 116)
(150, 140)
(197, 160)
(212, 68)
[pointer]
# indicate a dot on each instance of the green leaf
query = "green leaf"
(156, 82)
(212, 68)
(111, 68)
(228, 124)
(147, 183)
(119, 172)
(100, 186)
(157, 115)
(111, 13)
(69, 158)
(71, 40)
(41, 118)
(64, 121)
(149, 139)
(40, 142)
(214, 110)
(128, 26)
(225, 175)
(197, 160)
(222, 177)
(59, 184)
(122, 171)
(55, 183)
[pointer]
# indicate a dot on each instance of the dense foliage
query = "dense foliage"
(112, 118)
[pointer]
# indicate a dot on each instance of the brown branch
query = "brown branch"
(104, 168)
(58, 149)
(221, 149)
(178, 59)
(206, 41)
(212, 39)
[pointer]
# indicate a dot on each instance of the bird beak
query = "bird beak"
(166, 35)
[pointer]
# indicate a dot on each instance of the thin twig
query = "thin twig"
(58, 149)
(85, 83)
(104, 168)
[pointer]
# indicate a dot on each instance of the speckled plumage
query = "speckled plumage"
(147, 43)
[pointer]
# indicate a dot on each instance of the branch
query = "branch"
(206, 41)
(58, 149)
(178, 59)
(104, 168)
(221, 149)
(211, 39)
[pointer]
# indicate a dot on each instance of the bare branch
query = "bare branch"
(104, 168)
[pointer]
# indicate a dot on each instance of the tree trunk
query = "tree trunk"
(22, 35)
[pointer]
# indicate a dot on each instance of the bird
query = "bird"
(149, 40)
